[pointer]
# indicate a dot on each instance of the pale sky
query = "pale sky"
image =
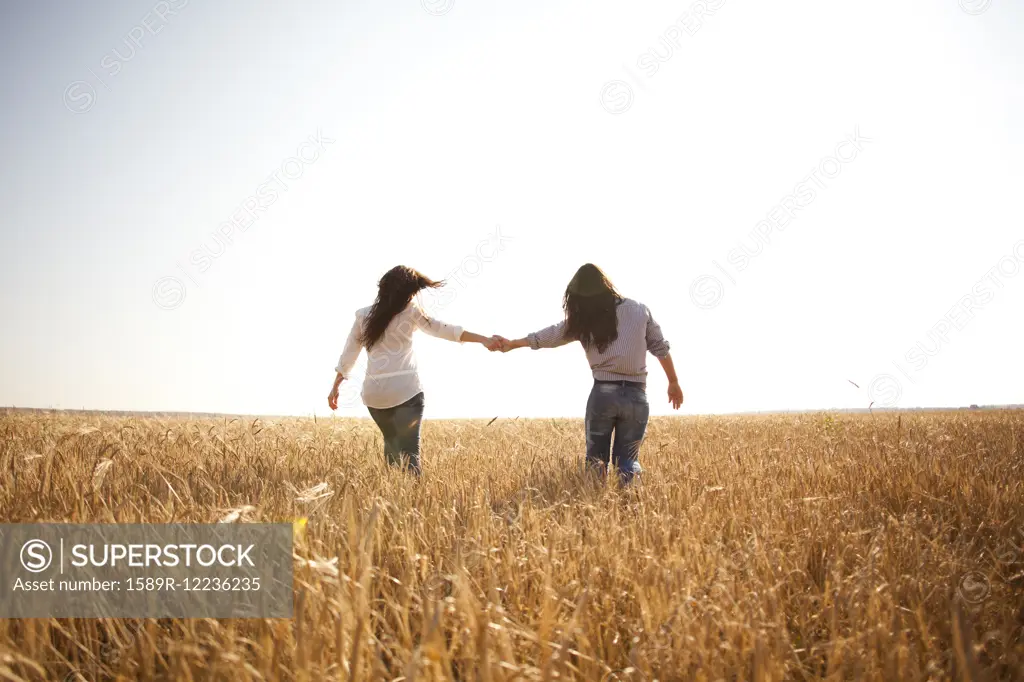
(641, 137)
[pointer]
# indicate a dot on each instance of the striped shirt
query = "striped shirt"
(625, 358)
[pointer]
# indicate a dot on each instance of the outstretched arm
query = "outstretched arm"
(549, 337)
(505, 345)
(491, 342)
(451, 332)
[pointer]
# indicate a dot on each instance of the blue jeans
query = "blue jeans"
(400, 426)
(620, 407)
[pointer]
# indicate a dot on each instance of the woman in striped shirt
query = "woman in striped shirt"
(616, 333)
(391, 390)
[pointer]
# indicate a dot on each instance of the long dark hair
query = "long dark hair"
(394, 292)
(589, 303)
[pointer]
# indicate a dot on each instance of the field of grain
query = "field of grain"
(810, 546)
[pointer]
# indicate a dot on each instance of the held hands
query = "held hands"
(499, 343)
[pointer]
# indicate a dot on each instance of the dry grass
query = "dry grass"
(796, 547)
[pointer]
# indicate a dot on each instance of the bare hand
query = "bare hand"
(332, 399)
(496, 343)
(507, 345)
(675, 395)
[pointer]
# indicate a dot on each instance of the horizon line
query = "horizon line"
(314, 416)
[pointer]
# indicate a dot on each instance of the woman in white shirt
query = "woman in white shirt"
(391, 390)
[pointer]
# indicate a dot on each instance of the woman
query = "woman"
(616, 333)
(391, 390)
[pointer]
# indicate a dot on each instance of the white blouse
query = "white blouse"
(391, 374)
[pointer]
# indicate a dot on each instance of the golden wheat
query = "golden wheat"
(810, 546)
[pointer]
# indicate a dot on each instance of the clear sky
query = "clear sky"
(805, 193)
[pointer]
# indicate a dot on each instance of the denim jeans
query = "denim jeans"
(400, 426)
(619, 407)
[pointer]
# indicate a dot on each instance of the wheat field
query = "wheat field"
(815, 546)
